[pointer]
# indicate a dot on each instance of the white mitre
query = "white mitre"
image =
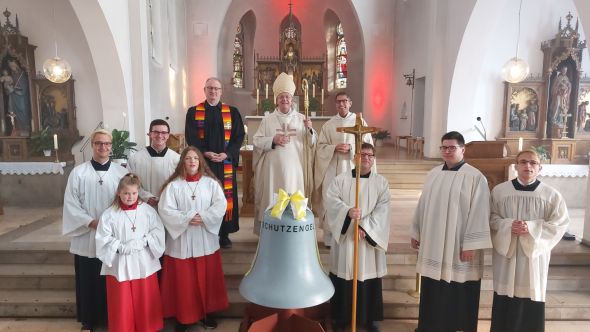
(283, 83)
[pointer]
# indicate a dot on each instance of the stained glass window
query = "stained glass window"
(238, 58)
(341, 58)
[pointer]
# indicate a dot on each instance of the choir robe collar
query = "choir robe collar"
(454, 168)
(362, 176)
(193, 178)
(521, 187)
(154, 153)
(100, 167)
(207, 105)
(126, 207)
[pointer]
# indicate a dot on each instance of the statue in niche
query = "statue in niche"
(291, 60)
(522, 120)
(514, 121)
(560, 99)
(582, 115)
(15, 89)
(532, 110)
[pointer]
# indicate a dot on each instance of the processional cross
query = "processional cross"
(358, 130)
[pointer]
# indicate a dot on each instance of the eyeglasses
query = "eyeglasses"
(450, 148)
(98, 143)
(523, 162)
(212, 88)
(155, 132)
(367, 155)
(338, 101)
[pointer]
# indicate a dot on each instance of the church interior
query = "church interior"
(414, 68)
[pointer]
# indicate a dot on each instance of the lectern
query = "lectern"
(488, 158)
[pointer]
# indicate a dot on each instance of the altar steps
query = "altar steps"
(37, 283)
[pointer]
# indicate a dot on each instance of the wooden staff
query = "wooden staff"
(307, 190)
(358, 130)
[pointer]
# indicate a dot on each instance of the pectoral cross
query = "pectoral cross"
(358, 130)
(133, 228)
(193, 197)
(100, 182)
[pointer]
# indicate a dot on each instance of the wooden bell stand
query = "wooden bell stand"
(264, 319)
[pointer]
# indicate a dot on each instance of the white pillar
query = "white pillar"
(586, 233)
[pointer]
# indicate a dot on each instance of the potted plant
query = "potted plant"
(314, 106)
(42, 142)
(121, 146)
(542, 152)
(381, 135)
(267, 106)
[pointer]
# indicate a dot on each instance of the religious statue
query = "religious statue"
(560, 99)
(291, 60)
(15, 84)
(11, 115)
(522, 118)
(514, 122)
(532, 110)
(582, 115)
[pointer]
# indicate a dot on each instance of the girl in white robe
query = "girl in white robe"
(129, 242)
(192, 206)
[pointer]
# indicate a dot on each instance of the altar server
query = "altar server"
(154, 163)
(374, 224)
(451, 229)
(129, 241)
(192, 206)
(90, 190)
(528, 219)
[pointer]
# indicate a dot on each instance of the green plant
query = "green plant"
(267, 105)
(382, 134)
(121, 144)
(314, 104)
(42, 141)
(542, 152)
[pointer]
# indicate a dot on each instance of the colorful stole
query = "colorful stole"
(227, 164)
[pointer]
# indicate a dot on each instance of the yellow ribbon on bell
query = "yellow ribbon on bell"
(298, 205)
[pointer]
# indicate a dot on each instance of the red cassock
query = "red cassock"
(193, 287)
(134, 305)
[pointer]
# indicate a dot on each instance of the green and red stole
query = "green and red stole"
(227, 164)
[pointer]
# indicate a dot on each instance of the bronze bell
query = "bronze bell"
(286, 272)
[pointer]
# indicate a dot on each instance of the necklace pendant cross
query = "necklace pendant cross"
(133, 228)
(100, 182)
(193, 197)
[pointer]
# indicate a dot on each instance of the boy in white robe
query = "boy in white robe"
(374, 224)
(90, 190)
(192, 207)
(279, 149)
(129, 241)
(334, 155)
(154, 163)
(528, 218)
(450, 229)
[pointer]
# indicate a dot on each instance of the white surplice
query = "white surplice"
(281, 167)
(152, 171)
(452, 214)
(328, 163)
(85, 199)
(374, 202)
(116, 228)
(177, 208)
(521, 263)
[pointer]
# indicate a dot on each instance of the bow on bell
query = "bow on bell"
(298, 205)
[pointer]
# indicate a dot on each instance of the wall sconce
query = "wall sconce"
(411, 81)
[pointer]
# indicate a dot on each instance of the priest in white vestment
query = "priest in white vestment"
(192, 206)
(154, 163)
(450, 231)
(374, 223)
(129, 242)
(90, 190)
(279, 149)
(528, 218)
(334, 155)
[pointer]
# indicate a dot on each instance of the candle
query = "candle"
(520, 142)
(246, 129)
(274, 98)
(266, 93)
(313, 90)
(322, 96)
(257, 96)
(55, 141)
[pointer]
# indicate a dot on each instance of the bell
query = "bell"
(286, 272)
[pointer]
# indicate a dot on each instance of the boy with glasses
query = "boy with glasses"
(154, 163)
(90, 191)
(528, 218)
(450, 229)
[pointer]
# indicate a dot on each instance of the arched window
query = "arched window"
(238, 58)
(341, 58)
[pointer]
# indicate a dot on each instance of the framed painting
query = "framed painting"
(523, 115)
(57, 109)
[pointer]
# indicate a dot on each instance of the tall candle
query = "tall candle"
(266, 92)
(257, 96)
(520, 143)
(55, 141)
(246, 129)
(322, 96)
(313, 90)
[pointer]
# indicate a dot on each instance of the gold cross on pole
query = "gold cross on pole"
(358, 130)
